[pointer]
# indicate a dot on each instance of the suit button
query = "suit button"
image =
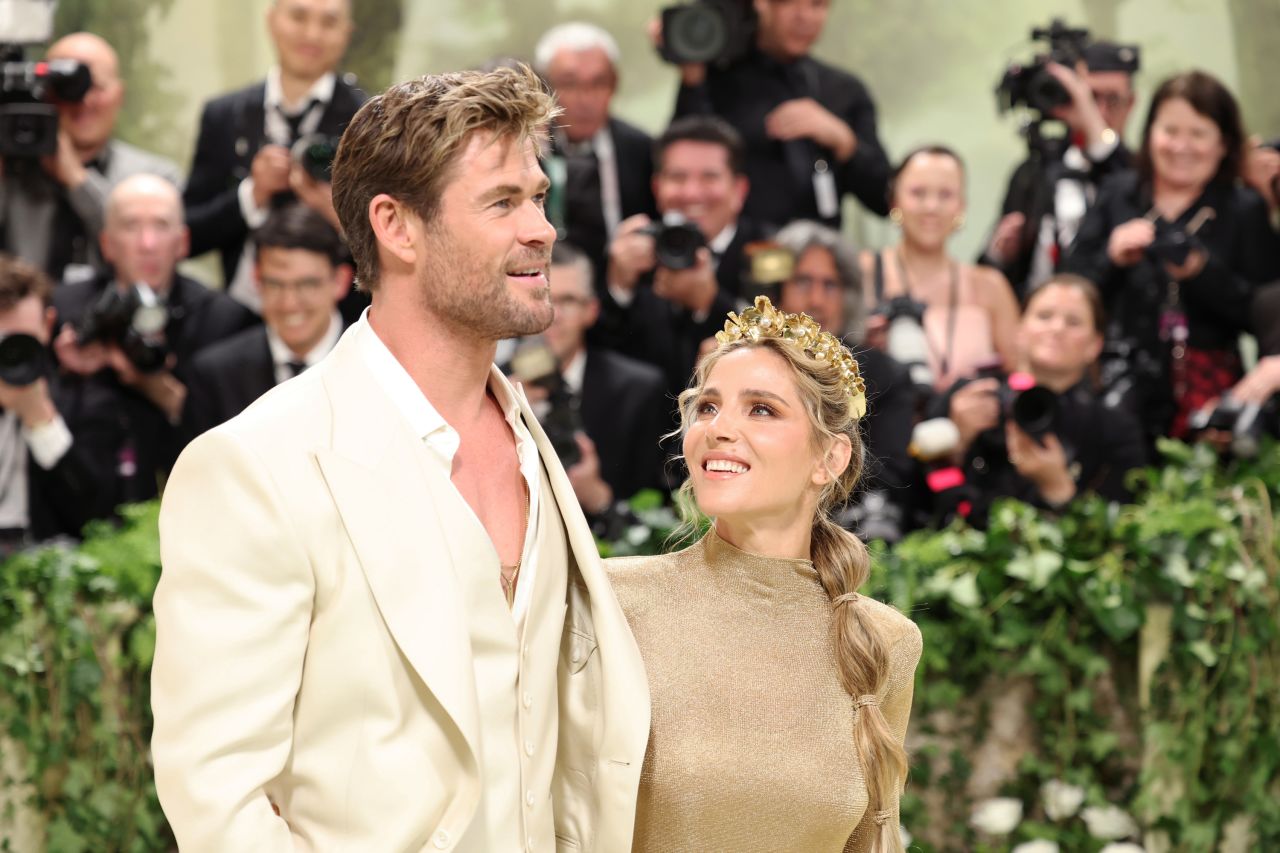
(528, 699)
(528, 798)
(441, 840)
(528, 747)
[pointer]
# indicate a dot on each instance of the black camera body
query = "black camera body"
(1244, 422)
(534, 364)
(132, 318)
(29, 94)
(23, 360)
(314, 152)
(1029, 84)
(1032, 408)
(716, 32)
(676, 242)
(1172, 243)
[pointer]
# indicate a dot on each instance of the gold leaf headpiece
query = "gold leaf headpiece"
(764, 321)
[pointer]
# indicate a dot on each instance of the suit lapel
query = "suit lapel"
(384, 494)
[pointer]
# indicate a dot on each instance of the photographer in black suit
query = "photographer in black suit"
(57, 457)
(137, 330)
(301, 275)
(242, 161)
(810, 128)
(622, 401)
(1050, 191)
(607, 164)
(661, 314)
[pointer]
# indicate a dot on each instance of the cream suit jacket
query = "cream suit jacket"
(311, 654)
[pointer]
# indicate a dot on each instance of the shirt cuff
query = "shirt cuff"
(253, 215)
(48, 442)
(621, 296)
(1104, 148)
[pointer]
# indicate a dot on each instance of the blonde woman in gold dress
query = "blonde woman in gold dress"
(780, 695)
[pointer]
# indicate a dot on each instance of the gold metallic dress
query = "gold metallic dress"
(751, 745)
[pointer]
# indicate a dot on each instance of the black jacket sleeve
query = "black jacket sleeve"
(211, 196)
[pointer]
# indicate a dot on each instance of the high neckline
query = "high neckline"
(782, 576)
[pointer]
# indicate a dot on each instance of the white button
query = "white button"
(528, 699)
(528, 747)
(576, 656)
(441, 840)
(528, 798)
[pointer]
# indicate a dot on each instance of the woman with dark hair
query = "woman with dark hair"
(968, 312)
(1177, 247)
(1082, 445)
(780, 696)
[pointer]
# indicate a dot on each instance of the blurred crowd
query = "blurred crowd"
(1129, 290)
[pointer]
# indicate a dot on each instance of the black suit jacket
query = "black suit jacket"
(1031, 192)
(666, 335)
(232, 129)
(225, 378)
(625, 412)
(83, 484)
(199, 317)
(781, 174)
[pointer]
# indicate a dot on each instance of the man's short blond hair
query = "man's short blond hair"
(406, 142)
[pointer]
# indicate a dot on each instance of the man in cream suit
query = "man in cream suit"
(381, 624)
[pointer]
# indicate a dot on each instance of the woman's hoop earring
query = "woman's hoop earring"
(895, 214)
(958, 222)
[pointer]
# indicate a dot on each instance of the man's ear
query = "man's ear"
(392, 226)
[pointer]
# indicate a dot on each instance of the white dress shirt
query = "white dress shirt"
(282, 356)
(443, 440)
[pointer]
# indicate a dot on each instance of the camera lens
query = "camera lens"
(1035, 410)
(676, 246)
(695, 33)
(22, 359)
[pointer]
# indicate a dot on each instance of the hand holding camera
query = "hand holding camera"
(270, 172)
(24, 390)
(1081, 112)
(64, 165)
(975, 408)
(1042, 461)
(593, 493)
(632, 252)
(1128, 242)
(693, 288)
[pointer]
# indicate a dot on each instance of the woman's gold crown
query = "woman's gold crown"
(764, 321)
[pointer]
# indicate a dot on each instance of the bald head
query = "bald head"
(91, 122)
(144, 236)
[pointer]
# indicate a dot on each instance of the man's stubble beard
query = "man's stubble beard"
(463, 293)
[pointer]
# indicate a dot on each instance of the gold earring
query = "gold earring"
(896, 215)
(958, 222)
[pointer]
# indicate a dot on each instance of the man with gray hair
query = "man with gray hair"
(601, 165)
(825, 284)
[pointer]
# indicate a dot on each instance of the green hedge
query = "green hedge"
(1127, 657)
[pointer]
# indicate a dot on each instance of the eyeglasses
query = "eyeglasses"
(306, 288)
(805, 283)
(1111, 100)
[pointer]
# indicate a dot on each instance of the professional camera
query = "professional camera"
(1033, 408)
(29, 91)
(676, 241)
(1029, 84)
(534, 364)
(314, 152)
(1244, 422)
(23, 360)
(710, 31)
(1172, 243)
(906, 340)
(132, 318)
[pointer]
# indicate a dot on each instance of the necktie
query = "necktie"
(296, 367)
(295, 121)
